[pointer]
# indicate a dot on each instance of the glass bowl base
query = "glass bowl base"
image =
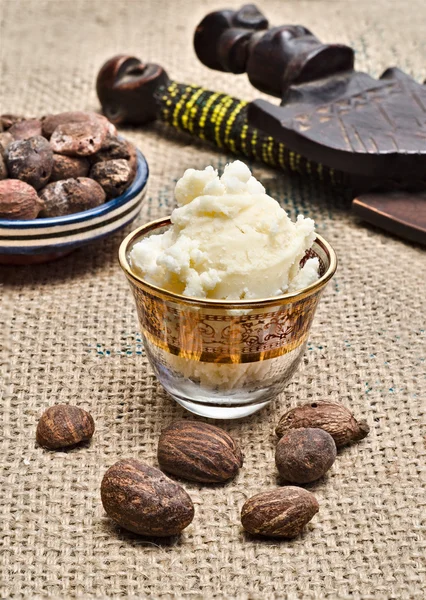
(219, 412)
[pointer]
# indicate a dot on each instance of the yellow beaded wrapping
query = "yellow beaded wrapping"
(222, 119)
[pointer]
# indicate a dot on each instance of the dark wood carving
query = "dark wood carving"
(273, 58)
(401, 213)
(125, 86)
(231, 53)
(368, 128)
(332, 119)
(329, 112)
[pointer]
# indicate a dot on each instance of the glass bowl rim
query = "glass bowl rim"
(141, 231)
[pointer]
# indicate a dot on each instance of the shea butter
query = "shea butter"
(228, 240)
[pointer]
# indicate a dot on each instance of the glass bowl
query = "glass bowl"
(224, 359)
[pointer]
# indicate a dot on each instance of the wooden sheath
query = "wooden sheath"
(400, 213)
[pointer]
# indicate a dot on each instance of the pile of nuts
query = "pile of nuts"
(142, 499)
(61, 164)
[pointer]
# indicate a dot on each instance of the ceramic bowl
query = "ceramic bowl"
(41, 240)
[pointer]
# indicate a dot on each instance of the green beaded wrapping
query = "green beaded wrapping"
(222, 119)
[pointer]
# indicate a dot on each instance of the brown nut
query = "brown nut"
(281, 513)
(142, 499)
(30, 161)
(18, 200)
(133, 160)
(5, 140)
(114, 176)
(69, 196)
(198, 452)
(63, 426)
(3, 168)
(7, 120)
(23, 130)
(333, 417)
(69, 167)
(79, 138)
(113, 147)
(305, 455)
(50, 122)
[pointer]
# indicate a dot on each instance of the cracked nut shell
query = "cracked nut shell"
(69, 167)
(50, 122)
(63, 426)
(333, 417)
(18, 200)
(81, 138)
(5, 140)
(198, 452)
(30, 161)
(23, 130)
(7, 120)
(113, 148)
(114, 176)
(281, 513)
(3, 168)
(305, 455)
(69, 196)
(143, 500)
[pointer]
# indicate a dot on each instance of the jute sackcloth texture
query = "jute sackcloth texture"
(72, 336)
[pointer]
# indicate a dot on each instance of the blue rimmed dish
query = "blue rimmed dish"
(41, 240)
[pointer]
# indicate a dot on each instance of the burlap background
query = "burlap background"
(73, 336)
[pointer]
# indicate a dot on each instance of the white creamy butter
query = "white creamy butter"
(229, 240)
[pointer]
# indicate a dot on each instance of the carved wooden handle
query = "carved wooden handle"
(131, 91)
(125, 87)
(222, 119)
(274, 58)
